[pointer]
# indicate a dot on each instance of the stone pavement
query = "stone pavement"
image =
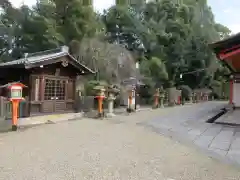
(230, 118)
(187, 124)
(114, 149)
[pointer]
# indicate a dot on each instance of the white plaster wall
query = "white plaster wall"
(236, 94)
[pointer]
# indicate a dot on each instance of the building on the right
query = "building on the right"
(228, 52)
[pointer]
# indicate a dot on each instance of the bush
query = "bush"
(217, 89)
(186, 91)
(89, 87)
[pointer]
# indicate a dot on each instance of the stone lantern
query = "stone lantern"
(161, 96)
(130, 107)
(212, 97)
(156, 98)
(191, 98)
(112, 92)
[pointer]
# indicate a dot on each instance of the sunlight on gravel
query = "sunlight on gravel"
(101, 149)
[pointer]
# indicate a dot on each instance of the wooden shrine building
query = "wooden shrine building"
(50, 77)
(228, 51)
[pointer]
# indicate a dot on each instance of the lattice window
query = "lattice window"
(50, 87)
(60, 89)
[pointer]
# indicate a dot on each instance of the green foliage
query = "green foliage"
(47, 25)
(186, 91)
(177, 33)
(168, 37)
(217, 88)
(112, 62)
(154, 68)
(90, 85)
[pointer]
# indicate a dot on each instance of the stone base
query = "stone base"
(130, 110)
(14, 127)
(111, 115)
(171, 104)
(155, 106)
(100, 115)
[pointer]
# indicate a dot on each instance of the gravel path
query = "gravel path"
(110, 149)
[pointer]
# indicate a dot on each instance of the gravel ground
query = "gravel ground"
(104, 149)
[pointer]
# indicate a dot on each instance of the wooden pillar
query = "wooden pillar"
(15, 105)
(1, 106)
(231, 91)
(26, 107)
(41, 91)
(66, 90)
(30, 79)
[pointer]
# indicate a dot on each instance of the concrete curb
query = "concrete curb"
(48, 119)
(58, 118)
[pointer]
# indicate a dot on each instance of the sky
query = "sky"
(226, 11)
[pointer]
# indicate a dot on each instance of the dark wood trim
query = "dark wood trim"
(57, 77)
(36, 102)
(74, 89)
(29, 93)
(76, 64)
(229, 54)
(42, 63)
(41, 88)
(225, 43)
(41, 91)
(66, 90)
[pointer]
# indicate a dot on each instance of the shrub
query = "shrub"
(186, 91)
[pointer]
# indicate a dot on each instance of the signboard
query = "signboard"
(16, 92)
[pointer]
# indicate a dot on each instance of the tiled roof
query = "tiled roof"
(9, 84)
(44, 56)
(226, 43)
(34, 59)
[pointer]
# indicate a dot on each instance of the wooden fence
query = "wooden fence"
(6, 108)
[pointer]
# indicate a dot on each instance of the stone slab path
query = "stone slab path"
(187, 124)
(230, 118)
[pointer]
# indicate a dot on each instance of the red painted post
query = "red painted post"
(230, 91)
(15, 103)
(179, 100)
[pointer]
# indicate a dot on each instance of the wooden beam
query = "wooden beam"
(223, 56)
(230, 49)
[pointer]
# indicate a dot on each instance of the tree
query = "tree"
(168, 37)
(112, 62)
(156, 69)
(74, 19)
(177, 32)
(47, 25)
